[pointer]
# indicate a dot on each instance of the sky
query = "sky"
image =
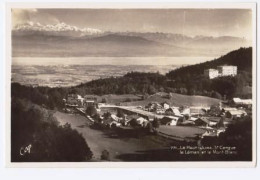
(191, 22)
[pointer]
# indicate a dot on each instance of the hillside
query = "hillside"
(187, 80)
(176, 100)
(242, 58)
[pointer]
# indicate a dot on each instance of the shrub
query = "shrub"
(91, 111)
(105, 155)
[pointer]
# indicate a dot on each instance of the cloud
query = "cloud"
(20, 16)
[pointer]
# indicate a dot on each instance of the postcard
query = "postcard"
(131, 84)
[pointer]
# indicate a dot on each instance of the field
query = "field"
(112, 98)
(176, 100)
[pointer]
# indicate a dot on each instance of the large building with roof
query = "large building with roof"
(221, 71)
(227, 70)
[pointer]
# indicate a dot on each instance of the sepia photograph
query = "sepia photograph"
(98, 84)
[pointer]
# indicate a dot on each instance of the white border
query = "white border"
(156, 5)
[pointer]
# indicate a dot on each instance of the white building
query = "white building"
(221, 71)
(227, 70)
(211, 73)
(239, 101)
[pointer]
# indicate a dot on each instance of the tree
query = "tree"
(104, 100)
(156, 123)
(221, 122)
(91, 111)
(35, 127)
(239, 135)
(107, 115)
(105, 155)
(120, 113)
(134, 123)
(215, 110)
(149, 127)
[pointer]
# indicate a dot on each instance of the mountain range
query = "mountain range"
(35, 39)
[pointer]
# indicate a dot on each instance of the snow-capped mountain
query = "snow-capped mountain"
(35, 39)
(62, 28)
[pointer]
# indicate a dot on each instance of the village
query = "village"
(163, 115)
(162, 118)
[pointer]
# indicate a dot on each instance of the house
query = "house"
(171, 120)
(225, 109)
(155, 107)
(202, 121)
(114, 117)
(227, 70)
(110, 122)
(165, 105)
(221, 71)
(235, 113)
(238, 101)
(142, 121)
(74, 100)
(173, 111)
(214, 121)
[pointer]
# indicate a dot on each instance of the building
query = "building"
(227, 70)
(173, 111)
(202, 122)
(74, 100)
(142, 121)
(221, 71)
(211, 73)
(165, 105)
(235, 113)
(238, 101)
(155, 107)
(171, 120)
(90, 100)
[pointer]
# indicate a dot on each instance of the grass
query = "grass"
(113, 98)
(176, 100)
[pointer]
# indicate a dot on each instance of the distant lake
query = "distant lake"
(108, 60)
(72, 71)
